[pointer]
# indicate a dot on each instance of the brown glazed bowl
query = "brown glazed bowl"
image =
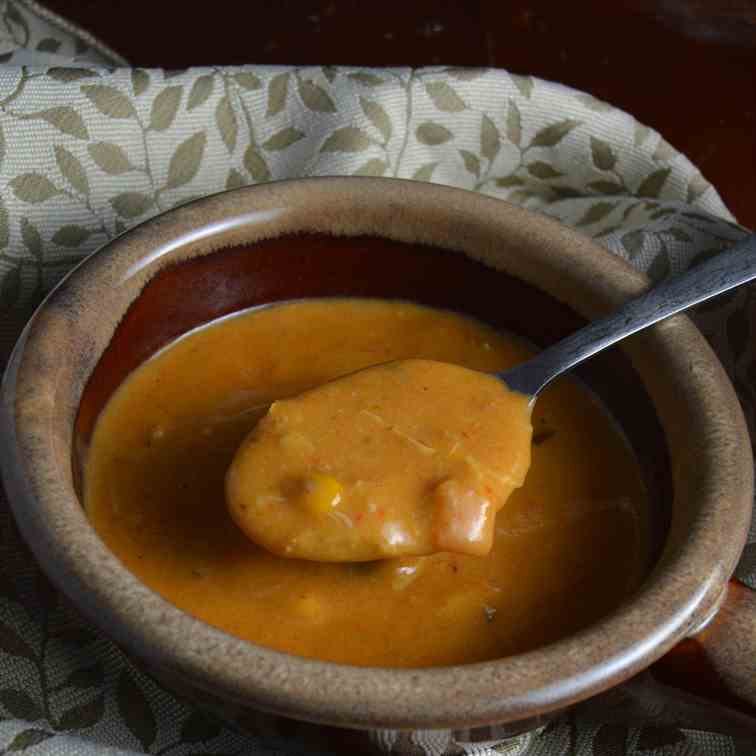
(318, 237)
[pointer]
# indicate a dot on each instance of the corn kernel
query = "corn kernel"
(322, 493)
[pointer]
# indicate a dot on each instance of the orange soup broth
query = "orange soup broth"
(569, 545)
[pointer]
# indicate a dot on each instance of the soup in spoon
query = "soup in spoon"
(406, 458)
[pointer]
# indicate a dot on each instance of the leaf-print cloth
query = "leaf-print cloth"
(88, 149)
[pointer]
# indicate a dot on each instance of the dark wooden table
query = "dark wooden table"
(685, 67)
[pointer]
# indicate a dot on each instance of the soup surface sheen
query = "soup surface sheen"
(568, 546)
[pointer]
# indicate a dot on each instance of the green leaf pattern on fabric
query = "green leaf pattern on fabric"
(33, 188)
(26, 28)
(278, 92)
(225, 119)
(109, 101)
(118, 146)
(140, 81)
(164, 108)
(111, 158)
(71, 169)
(65, 119)
(201, 90)
(315, 97)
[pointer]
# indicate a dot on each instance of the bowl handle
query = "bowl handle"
(719, 662)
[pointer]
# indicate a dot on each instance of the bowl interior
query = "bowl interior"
(192, 292)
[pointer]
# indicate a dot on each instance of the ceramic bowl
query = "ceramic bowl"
(516, 269)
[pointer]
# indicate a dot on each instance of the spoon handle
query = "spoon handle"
(725, 271)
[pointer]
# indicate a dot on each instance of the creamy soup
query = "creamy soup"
(568, 545)
(410, 457)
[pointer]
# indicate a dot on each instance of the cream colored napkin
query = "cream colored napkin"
(86, 151)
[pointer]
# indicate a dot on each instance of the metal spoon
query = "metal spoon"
(465, 522)
(725, 271)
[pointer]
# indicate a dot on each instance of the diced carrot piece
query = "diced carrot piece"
(463, 519)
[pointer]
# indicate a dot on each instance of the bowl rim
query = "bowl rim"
(678, 595)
